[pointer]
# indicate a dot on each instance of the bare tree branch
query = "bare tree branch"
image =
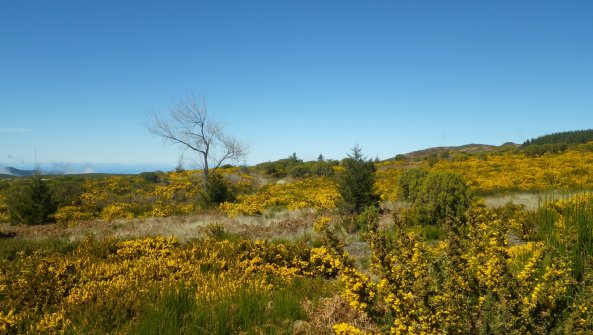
(188, 125)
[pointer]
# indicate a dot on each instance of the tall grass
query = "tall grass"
(569, 230)
(247, 311)
(9, 247)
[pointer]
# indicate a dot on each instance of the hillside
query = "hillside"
(10, 171)
(439, 151)
(443, 152)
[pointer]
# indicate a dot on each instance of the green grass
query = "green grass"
(246, 311)
(431, 232)
(9, 247)
(575, 242)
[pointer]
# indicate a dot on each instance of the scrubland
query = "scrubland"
(141, 255)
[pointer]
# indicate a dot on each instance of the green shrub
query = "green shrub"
(409, 183)
(66, 190)
(30, 201)
(296, 168)
(216, 191)
(298, 171)
(217, 232)
(431, 232)
(152, 177)
(442, 194)
(368, 220)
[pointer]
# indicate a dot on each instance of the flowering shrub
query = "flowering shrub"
(469, 281)
(71, 214)
(570, 169)
(123, 197)
(499, 172)
(318, 192)
(54, 293)
(3, 208)
(321, 224)
(346, 329)
(175, 193)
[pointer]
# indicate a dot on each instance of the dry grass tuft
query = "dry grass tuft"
(326, 313)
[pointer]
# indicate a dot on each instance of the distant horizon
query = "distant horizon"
(138, 167)
(88, 168)
(135, 168)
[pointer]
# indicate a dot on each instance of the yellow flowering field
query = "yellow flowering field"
(125, 197)
(104, 286)
(317, 192)
(495, 172)
(469, 280)
(177, 193)
(570, 169)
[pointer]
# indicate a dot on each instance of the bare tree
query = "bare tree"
(188, 125)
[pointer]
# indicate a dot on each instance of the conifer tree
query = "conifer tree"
(356, 183)
(30, 202)
(216, 191)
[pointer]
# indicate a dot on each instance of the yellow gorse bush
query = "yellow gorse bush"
(346, 329)
(317, 192)
(569, 169)
(508, 171)
(470, 280)
(45, 293)
(125, 197)
(3, 208)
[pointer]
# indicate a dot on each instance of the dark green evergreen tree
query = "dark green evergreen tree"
(356, 182)
(216, 191)
(30, 202)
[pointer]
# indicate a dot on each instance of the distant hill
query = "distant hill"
(14, 172)
(566, 137)
(11, 172)
(471, 149)
(554, 143)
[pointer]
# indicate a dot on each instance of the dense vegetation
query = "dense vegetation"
(473, 281)
(567, 137)
(557, 142)
(430, 259)
(296, 167)
(252, 192)
(157, 285)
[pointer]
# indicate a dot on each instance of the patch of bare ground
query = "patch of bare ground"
(285, 224)
(32, 232)
(530, 200)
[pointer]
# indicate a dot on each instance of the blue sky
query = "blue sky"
(311, 77)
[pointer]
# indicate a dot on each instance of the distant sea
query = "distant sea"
(81, 168)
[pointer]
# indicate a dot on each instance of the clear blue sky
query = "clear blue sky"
(310, 77)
